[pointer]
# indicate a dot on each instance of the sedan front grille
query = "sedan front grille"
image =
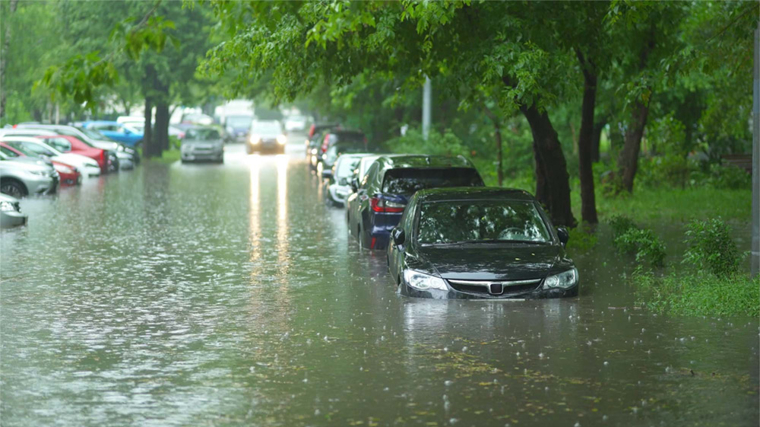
(496, 288)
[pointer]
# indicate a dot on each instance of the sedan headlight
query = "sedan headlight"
(424, 281)
(119, 148)
(7, 207)
(38, 172)
(254, 139)
(64, 169)
(282, 139)
(563, 280)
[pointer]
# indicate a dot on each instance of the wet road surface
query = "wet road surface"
(232, 295)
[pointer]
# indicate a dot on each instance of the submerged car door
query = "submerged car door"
(397, 253)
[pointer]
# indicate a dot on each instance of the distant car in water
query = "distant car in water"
(69, 175)
(19, 178)
(266, 136)
(202, 143)
(479, 243)
(338, 187)
(116, 131)
(87, 166)
(10, 212)
(375, 208)
(295, 124)
(314, 141)
(236, 127)
(335, 142)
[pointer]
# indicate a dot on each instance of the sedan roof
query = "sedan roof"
(473, 193)
(423, 161)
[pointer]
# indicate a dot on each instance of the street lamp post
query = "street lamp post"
(426, 95)
(756, 158)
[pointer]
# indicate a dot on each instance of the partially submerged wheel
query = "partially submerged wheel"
(13, 188)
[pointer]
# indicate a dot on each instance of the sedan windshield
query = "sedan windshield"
(346, 167)
(409, 181)
(266, 128)
(476, 221)
(94, 134)
(202, 134)
(239, 121)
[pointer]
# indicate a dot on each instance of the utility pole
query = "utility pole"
(426, 94)
(756, 158)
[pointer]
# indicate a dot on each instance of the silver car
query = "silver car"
(202, 144)
(339, 183)
(10, 213)
(20, 178)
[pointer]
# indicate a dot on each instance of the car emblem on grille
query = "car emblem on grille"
(495, 288)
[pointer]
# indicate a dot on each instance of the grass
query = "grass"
(167, 157)
(699, 294)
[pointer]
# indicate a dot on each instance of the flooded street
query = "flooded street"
(232, 295)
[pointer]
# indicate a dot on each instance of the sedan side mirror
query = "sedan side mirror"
(398, 236)
(354, 184)
(563, 235)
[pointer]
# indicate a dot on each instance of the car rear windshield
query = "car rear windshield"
(202, 134)
(351, 137)
(408, 181)
(476, 221)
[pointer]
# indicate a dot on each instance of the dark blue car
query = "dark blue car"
(379, 200)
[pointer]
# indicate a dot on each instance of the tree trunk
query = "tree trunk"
(162, 126)
(4, 57)
(596, 140)
(585, 141)
(552, 180)
(499, 145)
(149, 144)
(628, 160)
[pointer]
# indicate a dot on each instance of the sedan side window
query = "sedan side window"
(60, 144)
(8, 152)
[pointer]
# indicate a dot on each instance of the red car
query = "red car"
(69, 174)
(70, 144)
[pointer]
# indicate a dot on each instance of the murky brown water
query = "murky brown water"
(231, 295)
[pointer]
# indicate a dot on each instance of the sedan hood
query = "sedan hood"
(21, 163)
(33, 161)
(493, 262)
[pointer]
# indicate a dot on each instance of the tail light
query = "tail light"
(311, 131)
(103, 162)
(380, 205)
(325, 143)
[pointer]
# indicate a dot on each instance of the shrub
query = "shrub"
(721, 176)
(698, 294)
(621, 224)
(436, 144)
(644, 243)
(711, 248)
(582, 238)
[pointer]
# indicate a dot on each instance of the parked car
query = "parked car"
(236, 128)
(314, 140)
(20, 178)
(10, 212)
(86, 165)
(116, 131)
(197, 119)
(349, 140)
(337, 151)
(338, 187)
(69, 175)
(202, 144)
(295, 124)
(121, 157)
(376, 206)
(69, 144)
(479, 243)
(266, 136)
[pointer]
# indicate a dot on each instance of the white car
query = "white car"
(86, 165)
(295, 123)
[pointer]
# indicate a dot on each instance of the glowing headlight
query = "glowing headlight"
(423, 281)
(254, 139)
(282, 139)
(120, 148)
(563, 280)
(6, 207)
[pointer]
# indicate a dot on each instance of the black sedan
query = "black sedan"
(479, 243)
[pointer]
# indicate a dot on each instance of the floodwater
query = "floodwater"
(232, 295)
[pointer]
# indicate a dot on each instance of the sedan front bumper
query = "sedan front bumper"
(451, 293)
(9, 219)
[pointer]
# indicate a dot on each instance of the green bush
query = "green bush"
(698, 294)
(711, 248)
(582, 238)
(436, 144)
(671, 170)
(644, 244)
(722, 177)
(620, 225)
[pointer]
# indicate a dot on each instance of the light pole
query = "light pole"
(756, 158)
(426, 95)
